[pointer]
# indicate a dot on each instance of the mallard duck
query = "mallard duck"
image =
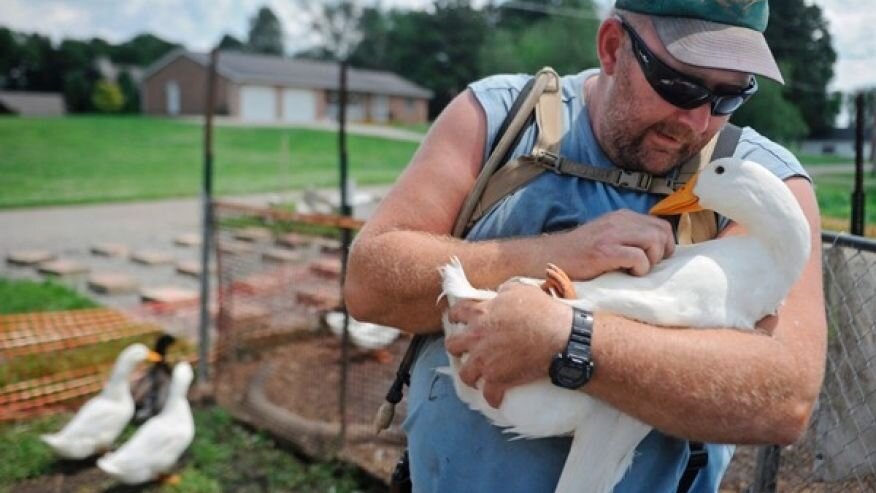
(158, 444)
(100, 421)
(370, 337)
(150, 391)
(718, 283)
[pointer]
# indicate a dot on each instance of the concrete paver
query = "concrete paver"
(29, 257)
(152, 257)
(188, 240)
(112, 284)
(62, 268)
(110, 250)
(168, 294)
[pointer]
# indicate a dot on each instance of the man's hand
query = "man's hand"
(510, 339)
(621, 240)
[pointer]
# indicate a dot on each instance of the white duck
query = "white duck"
(160, 442)
(729, 282)
(100, 421)
(365, 335)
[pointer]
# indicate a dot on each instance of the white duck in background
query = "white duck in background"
(158, 444)
(365, 335)
(733, 281)
(101, 420)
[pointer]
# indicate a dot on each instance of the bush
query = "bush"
(107, 97)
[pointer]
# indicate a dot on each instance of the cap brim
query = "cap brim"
(721, 46)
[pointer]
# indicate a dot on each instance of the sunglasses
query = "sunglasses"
(682, 90)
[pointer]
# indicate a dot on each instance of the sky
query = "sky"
(199, 24)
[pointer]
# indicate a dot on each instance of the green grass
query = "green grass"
(834, 192)
(24, 455)
(224, 457)
(819, 160)
(82, 159)
(414, 127)
(31, 296)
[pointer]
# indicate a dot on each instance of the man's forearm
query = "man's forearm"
(715, 385)
(393, 277)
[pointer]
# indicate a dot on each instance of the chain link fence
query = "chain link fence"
(283, 361)
(838, 451)
(285, 364)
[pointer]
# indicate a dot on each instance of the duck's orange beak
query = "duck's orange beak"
(154, 357)
(683, 200)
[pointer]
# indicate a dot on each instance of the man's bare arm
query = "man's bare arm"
(715, 385)
(392, 275)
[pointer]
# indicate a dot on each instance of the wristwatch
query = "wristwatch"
(574, 367)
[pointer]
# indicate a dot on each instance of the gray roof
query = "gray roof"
(33, 103)
(252, 68)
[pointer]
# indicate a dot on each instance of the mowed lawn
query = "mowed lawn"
(834, 194)
(81, 159)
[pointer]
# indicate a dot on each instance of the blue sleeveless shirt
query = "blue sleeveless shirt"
(454, 449)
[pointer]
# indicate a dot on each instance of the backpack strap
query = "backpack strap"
(545, 80)
(514, 174)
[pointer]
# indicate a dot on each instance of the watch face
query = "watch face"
(569, 372)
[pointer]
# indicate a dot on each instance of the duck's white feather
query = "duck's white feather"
(365, 335)
(728, 282)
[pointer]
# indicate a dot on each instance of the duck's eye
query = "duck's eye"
(719, 170)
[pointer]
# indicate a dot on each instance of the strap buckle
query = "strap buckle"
(549, 160)
(635, 180)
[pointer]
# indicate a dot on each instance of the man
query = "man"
(637, 112)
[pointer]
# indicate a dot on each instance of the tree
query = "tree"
(78, 89)
(229, 42)
(140, 50)
(30, 66)
(565, 41)
(129, 92)
(107, 97)
(8, 55)
(799, 38)
(771, 114)
(266, 33)
(438, 50)
(337, 23)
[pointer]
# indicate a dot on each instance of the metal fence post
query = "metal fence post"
(857, 225)
(767, 470)
(206, 198)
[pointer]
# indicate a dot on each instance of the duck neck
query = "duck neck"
(118, 384)
(777, 222)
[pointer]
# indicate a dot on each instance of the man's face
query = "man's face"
(640, 131)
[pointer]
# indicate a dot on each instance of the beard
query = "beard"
(625, 139)
(634, 153)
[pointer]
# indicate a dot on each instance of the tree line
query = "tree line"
(31, 62)
(444, 48)
(453, 44)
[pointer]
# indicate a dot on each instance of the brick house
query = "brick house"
(264, 88)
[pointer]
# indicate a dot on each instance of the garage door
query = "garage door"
(380, 108)
(299, 105)
(258, 104)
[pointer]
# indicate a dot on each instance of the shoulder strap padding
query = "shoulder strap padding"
(545, 79)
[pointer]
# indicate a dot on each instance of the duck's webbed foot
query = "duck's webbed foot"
(170, 479)
(558, 283)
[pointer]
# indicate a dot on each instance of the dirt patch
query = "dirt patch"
(303, 378)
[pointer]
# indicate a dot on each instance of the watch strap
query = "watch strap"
(582, 333)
